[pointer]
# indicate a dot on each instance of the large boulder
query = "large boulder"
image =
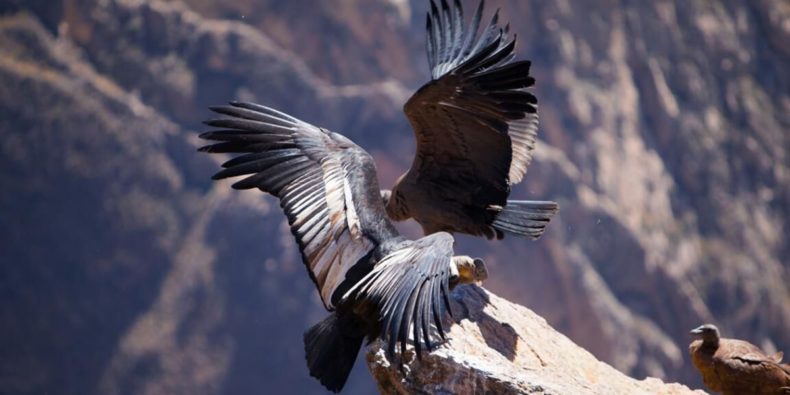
(500, 347)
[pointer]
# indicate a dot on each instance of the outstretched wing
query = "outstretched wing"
(410, 288)
(475, 121)
(315, 174)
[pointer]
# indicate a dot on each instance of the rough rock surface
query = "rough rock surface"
(125, 270)
(498, 347)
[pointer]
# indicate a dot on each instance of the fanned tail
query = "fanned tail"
(331, 347)
(525, 218)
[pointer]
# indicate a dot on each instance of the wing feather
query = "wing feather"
(307, 169)
(478, 98)
(409, 288)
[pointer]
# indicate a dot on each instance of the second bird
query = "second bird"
(476, 125)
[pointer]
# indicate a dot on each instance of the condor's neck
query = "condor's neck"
(710, 344)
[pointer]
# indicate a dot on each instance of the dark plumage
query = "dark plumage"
(376, 283)
(476, 126)
(731, 366)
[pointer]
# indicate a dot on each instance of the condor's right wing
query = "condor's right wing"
(410, 289)
(476, 121)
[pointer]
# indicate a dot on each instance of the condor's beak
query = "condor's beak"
(696, 331)
(481, 273)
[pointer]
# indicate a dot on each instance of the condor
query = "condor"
(376, 283)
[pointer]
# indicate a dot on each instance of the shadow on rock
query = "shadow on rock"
(469, 303)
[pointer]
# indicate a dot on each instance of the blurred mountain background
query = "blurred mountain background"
(665, 136)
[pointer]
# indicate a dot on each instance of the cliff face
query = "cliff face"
(664, 138)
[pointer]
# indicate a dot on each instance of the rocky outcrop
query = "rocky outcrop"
(497, 347)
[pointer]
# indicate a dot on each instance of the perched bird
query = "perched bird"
(376, 283)
(731, 366)
(475, 125)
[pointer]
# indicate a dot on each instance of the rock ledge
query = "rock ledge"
(503, 348)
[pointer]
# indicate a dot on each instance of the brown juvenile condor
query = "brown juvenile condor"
(376, 283)
(736, 367)
(476, 125)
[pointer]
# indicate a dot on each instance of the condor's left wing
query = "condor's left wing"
(322, 179)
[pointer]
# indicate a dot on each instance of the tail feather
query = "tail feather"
(331, 347)
(525, 218)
